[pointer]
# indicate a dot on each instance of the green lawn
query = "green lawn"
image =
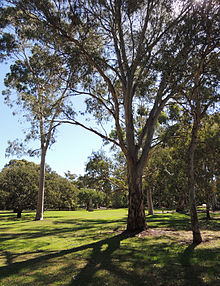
(89, 248)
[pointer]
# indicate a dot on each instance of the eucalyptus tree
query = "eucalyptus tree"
(36, 83)
(201, 90)
(133, 51)
(98, 173)
(207, 160)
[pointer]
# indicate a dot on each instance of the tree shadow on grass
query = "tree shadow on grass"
(15, 267)
(137, 261)
(193, 270)
(101, 259)
(191, 274)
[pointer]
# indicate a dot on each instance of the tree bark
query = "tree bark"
(136, 213)
(150, 201)
(18, 213)
(40, 200)
(207, 203)
(181, 205)
(191, 185)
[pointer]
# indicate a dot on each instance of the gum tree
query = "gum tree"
(201, 90)
(35, 83)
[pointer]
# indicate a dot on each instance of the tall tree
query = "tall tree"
(201, 90)
(37, 79)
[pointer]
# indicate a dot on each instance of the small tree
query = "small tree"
(19, 180)
(90, 198)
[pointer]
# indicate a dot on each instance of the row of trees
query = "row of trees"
(19, 181)
(105, 183)
(19, 188)
(128, 59)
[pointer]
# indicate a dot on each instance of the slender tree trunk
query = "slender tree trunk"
(214, 202)
(207, 204)
(208, 211)
(19, 213)
(191, 185)
(150, 201)
(136, 213)
(181, 205)
(40, 200)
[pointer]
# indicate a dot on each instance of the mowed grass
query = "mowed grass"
(90, 248)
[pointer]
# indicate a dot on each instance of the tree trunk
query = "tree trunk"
(18, 213)
(207, 203)
(214, 202)
(150, 201)
(191, 185)
(40, 200)
(181, 205)
(136, 213)
(208, 211)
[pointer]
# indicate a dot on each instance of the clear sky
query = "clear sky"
(70, 152)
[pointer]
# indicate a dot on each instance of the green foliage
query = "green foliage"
(59, 193)
(119, 198)
(166, 172)
(19, 182)
(90, 198)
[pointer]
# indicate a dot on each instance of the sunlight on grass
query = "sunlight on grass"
(89, 248)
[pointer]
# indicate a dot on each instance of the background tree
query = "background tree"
(98, 170)
(202, 89)
(19, 184)
(19, 181)
(90, 198)
(207, 161)
(60, 193)
(41, 92)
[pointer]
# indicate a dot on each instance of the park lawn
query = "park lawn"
(90, 248)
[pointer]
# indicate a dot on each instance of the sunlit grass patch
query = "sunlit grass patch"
(90, 248)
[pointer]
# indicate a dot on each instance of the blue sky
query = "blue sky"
(71, 150)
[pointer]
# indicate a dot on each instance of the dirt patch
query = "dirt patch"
(180, 236)
(153, 232)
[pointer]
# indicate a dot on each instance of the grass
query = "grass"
(89, 248)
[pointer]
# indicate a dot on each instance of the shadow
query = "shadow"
(62, 229)
(102, 255)
(14, 268)
(9, 257)
(94, 222)
(191, 272)
(171, 221)
(122, 259)
(100, 259)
